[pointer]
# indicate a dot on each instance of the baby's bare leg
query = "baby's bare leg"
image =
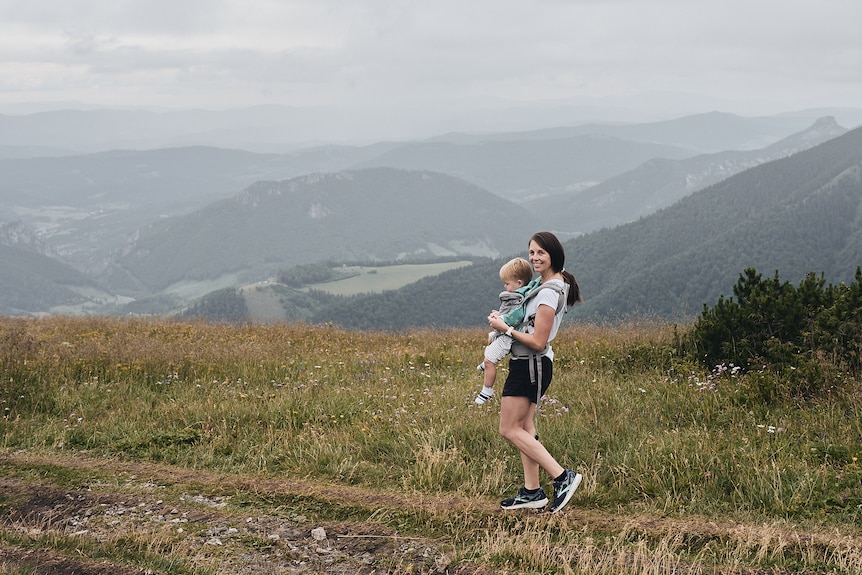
(490, 373)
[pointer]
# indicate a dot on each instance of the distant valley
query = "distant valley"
(151, 231)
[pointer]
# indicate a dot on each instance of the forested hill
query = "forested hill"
(31, 278)
(795, 215)
(377, 214)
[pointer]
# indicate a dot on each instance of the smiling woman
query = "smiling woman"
(530, 373)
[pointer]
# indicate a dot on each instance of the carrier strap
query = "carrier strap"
(522, 352)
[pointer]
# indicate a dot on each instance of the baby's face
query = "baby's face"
(512, 285)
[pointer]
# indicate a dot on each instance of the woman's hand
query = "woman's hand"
(537, 339)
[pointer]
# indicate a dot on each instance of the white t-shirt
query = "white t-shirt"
(550, 298)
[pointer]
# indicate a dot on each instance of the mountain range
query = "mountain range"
(796, 215)
(376, 214)
(123, 224)
(793, 216)
(283, 129)
(87, 205)
(662, 181)
(521, 170)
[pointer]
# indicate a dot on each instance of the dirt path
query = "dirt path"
(134, 508)
(159, 513)
(263, 543)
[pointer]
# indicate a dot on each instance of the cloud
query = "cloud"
(432, 57)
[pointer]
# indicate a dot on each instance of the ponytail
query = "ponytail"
(574, 289)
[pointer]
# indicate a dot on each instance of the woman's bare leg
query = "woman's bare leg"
(517, 427)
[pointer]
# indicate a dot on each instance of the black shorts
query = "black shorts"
(518, 382)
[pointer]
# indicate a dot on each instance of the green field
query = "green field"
(376, 279)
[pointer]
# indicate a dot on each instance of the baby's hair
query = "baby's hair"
(517, 269)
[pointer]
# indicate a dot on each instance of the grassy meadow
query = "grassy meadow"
(685, 470)
(376, 279)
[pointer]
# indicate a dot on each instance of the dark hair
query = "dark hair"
(549, 242)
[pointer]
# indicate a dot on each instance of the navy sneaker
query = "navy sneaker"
(526, 500)
(564, 489)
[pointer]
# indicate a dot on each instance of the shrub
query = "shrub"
(813, 330)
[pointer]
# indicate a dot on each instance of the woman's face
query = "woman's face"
(540, 259)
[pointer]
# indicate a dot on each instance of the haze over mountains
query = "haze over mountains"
(282, 129)
(662, 181)
(88, 232)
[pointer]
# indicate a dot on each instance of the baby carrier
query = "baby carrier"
(513, 303)
(521, 351)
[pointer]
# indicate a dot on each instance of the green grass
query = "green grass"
(376, 279)
(656, 438)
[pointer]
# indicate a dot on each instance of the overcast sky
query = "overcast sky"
(435, 59)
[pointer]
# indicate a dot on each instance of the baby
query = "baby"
(516, 275)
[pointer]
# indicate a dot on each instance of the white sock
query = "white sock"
(484, 395)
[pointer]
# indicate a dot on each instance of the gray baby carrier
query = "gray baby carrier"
(521, 351)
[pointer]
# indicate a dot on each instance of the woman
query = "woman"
(531, 362)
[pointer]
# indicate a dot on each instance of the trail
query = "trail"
(168, 519)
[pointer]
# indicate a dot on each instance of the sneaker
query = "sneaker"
(481, 366)
(526, 500)
(564, 489)
(484, 395)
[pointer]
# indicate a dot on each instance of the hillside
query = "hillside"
(32, 282)
(459, 298)
(660, 182)
(31, 277)
(795, 215)
(363, 216)
(86, 205)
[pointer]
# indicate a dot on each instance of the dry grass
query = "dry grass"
(302, 425)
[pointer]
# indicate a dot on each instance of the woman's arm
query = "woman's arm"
(542, 325)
